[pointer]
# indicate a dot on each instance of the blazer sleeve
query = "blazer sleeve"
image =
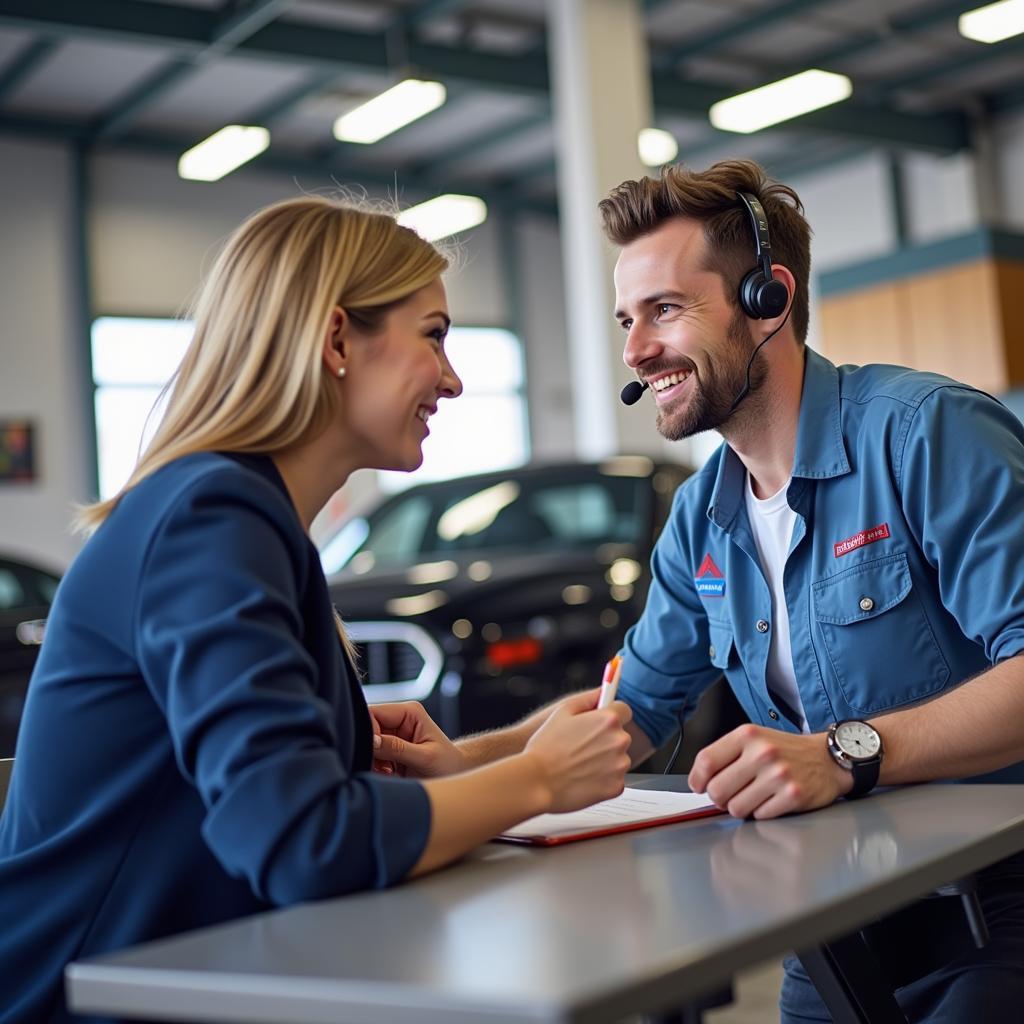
(218, 631)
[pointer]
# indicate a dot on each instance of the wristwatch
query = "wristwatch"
(857, 747)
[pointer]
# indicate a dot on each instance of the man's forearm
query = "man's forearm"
(484, 747)
(972, 729)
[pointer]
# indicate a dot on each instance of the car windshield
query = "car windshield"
(518, 512)
(23, 586)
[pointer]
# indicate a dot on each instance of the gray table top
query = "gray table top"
(587, 932)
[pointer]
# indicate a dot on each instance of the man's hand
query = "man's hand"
(763, 773)
(412, 743)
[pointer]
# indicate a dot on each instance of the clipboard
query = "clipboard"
(631, 810)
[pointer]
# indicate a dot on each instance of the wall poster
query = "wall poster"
(17, 451)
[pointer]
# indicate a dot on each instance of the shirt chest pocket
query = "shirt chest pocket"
(881, 648)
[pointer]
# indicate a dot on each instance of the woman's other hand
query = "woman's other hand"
(412, 742)
(583, 752)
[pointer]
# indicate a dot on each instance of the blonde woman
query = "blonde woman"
(195, 744)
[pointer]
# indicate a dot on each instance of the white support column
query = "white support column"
(602, 98)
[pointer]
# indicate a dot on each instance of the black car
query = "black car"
(26, 593)
(486, 596)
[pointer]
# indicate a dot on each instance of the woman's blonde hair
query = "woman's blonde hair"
(252, 378)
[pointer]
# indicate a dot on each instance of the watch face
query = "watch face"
(858, 740)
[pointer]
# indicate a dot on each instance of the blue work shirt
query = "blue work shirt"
(905, 573)
(194, 746)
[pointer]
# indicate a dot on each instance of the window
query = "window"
(133, 358)
(486, 427)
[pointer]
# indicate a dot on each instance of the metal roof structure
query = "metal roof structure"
(159, 75)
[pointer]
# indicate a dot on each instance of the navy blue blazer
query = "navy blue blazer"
(194, 746)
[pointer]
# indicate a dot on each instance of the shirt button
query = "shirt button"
(762, 626)
(866, 604)
(773, 715)
(711, 651)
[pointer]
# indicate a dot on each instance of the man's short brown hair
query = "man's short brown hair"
(636, 208)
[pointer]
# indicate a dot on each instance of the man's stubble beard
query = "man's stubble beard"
(710, 404)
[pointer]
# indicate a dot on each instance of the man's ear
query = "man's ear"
(335, 345)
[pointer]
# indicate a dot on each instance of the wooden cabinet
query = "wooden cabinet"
(965, 320)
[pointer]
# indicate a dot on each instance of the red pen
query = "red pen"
(610, 682)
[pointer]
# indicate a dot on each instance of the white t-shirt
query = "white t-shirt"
(771, 522)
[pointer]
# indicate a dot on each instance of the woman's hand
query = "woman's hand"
(583, 752)
(407, 739)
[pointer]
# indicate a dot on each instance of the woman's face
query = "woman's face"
(395, 377)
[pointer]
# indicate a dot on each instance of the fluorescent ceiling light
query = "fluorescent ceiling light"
(994, 22)
(779, 101)
(656, 147)
(391, 110)
(443, 216)
(222, 152)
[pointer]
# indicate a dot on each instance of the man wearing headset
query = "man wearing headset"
(850, 558)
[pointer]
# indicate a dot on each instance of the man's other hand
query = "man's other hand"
(763, 773)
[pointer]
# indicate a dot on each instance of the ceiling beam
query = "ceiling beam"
(230, 30)
(745, 23)
(183, 28)
(1007, 101)
(788, 165)
(496, 195)
(949, 65)
(894, 28)
(24, 64)
(287, 101)
(334, 48)
(424, 11)
(478, 144)
(939, 132)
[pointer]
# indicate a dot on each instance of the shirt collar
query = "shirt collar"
(820, 451)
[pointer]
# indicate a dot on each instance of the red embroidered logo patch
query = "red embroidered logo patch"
(858, 540)
(708, 566)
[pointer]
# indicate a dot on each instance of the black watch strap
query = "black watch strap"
(865, 777)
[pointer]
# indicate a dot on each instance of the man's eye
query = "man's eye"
(665, 307)
(625, 324)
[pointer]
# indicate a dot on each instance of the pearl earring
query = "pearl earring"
(341, 371)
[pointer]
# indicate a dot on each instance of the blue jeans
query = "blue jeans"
(931, 963)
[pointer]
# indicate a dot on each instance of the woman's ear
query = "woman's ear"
(335, 346)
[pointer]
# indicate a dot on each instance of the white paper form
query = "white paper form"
(629, 808)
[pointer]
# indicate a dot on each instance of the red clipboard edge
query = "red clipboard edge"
(633, 826)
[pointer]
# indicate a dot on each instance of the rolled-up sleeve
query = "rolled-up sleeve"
(219, 636)
(665, 658)
(961, 478)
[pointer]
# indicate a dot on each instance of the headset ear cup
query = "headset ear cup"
(772, 299)
(761, 299)
(750, 287)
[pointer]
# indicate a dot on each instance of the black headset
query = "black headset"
(761, 296)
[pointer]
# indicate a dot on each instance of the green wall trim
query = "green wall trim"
(920, 259)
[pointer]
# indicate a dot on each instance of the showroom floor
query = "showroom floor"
(757, 998)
